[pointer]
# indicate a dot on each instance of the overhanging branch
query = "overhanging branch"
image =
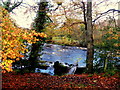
(113, 10)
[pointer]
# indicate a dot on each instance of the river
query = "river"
(64, 54)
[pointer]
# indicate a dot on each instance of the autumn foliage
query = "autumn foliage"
(13, 39)
(37, 81)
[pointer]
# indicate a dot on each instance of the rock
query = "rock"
(80, 70)
(59, 69)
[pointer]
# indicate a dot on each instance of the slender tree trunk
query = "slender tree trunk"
(105, 64)
(118, 14)
(84, 14)
(89, 34)
(85, 23)
(38, 26)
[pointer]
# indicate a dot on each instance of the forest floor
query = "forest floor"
(38, 81)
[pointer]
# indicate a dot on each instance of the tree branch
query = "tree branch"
(77, 23)
(16, 5)
(113, 10)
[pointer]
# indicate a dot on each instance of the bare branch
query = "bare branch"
(16, 5)
(3, 2)
(65, 13)
(101, 2)
(77, 23)
(113, 10)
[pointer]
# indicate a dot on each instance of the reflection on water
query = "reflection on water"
(66, 54)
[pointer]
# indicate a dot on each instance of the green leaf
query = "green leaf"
(21, 40)
(11, 30)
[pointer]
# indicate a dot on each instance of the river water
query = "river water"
(64, 54)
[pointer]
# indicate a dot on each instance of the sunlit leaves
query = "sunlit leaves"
(13, 39)
(113, 36)
(69, 33)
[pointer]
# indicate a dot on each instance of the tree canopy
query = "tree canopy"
(13, 39)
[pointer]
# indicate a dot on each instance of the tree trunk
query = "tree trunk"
(89, 37)
(38, 26)
(105, 64)
(118, 14)
(85, 23)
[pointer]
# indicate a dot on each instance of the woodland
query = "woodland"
(71, 23)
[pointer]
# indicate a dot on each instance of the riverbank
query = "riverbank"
(39, 81)
(67, 44)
